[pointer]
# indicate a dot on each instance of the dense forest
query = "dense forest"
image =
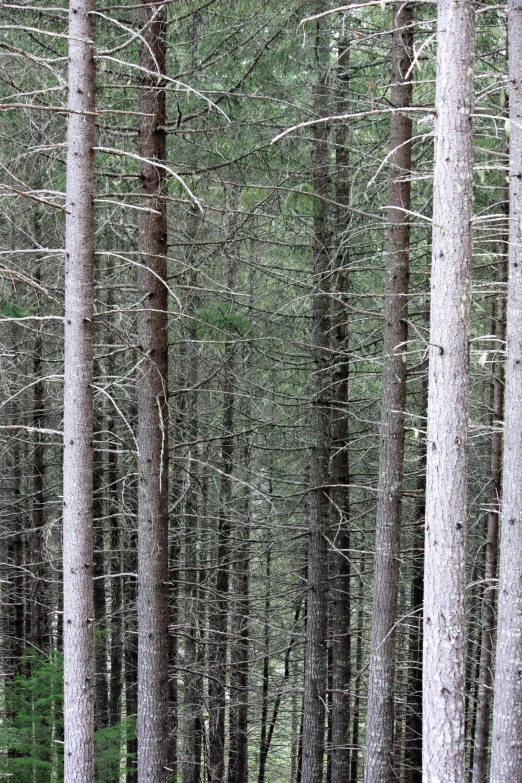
(261, 391)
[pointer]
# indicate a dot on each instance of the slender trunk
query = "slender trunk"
(78, 612)
(446, 482)
(480, 744)
(39, 608)
(413, 728)
(378, 766)
(319, 509)
(506, 752)
(115, 532)
(263, 750)
(340, 468)
(130, 592)
(153, 605)
(354, 758)
(219, 617)
(192, 695)
(238, 723)
(101, 684)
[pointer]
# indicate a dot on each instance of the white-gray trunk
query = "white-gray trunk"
(446, 482)
(506, 754)
(78, 612)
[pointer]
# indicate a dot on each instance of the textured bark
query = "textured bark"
(481, 734)
(191, 721)
(446, 483)
(378, 766)
(153, 693)
(506, 751)
(319, 509)
(340, 470)
(78, 610)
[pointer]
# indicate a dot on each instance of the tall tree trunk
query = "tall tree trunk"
(101, 684)
(152, 722)
(78, 400)
(219, 613)
(354, 756)
(39, 608)
(413, 728)
(378, 766)
(506, 752)
(130, 591)
(263, 748)
(319, 509)
(480, 744)
(446, 483)
(340, 598)
(115, 532)
(238, 723)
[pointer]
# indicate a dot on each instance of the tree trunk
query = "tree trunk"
(480, 743)
(413, 728)
(78, 400)
(354, 756)
(152, 722)
(39, 591)
(263, 749)
(446, 483)
(506, 752)
(378, 766)
(340, 597)
(319, 509)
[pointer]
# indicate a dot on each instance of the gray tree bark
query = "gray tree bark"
(319, 508)
(153, 692)
(340, 468)
(484, 691)
(78, 612)
(378, 766)
(506, 751)
(446, 482)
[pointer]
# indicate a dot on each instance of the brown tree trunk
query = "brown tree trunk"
(446, 482)
(319, 508)
(413, 727)
(378, 767)
(506, 752)
(263, 748)
(153, 605)
(340, 469)
(78, 612)
(219, 613)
